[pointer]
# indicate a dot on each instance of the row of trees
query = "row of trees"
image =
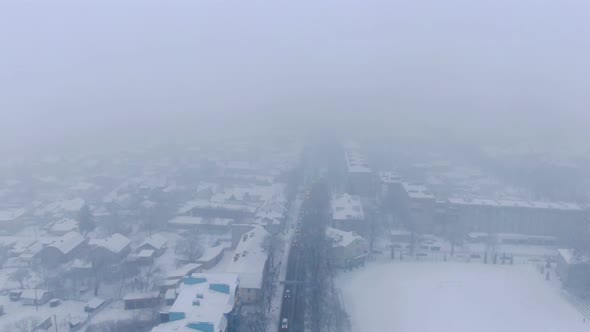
(325, 311)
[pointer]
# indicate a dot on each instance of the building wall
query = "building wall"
(50, 256)
(350, 225)
(575, 276)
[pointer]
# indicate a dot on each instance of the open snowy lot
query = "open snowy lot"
(455, 297)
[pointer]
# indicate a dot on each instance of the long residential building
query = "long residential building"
(361, 179)
(419, 204)
(206, 302)
(565, 221)
(250, 263)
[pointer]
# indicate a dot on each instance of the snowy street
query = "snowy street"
(281, 266)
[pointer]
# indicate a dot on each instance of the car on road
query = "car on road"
(287, 293)
(284, 324)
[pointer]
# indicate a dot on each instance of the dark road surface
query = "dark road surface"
(311, 224)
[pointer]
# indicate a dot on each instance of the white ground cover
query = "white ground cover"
(455, 297)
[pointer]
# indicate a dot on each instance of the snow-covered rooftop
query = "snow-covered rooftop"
(417, 191)
(515, 203)
(194, 221)
(141, 296)
(204, 204)
(203, 301)
(347, 207)
(210, 253)
(64, 225)
(389, 177)
(341, 238)
(183, 271)
(68, 242)
(356, 163)
(157, 241)
(250, 258)
(115, 243)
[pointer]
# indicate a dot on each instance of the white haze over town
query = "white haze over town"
(350, 166)
(75, 69)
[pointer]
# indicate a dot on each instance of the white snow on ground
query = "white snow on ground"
(15, 312)
(457, 297)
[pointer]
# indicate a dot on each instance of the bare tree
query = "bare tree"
(22, 276)
(44, 273)
(27, 324)
(98, 265)
(189, 247)
(148, 278)
(492, 244)
(254, 320)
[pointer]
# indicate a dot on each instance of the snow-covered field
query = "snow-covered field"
(455, 297)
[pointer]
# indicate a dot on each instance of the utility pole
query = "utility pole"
(55, 322)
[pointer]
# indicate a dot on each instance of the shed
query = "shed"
(94, 304)
(15, 295)
(141, 300)
(35, 296)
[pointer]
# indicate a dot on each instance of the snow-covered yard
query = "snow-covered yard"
(457, 297)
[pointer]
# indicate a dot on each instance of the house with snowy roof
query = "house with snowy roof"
(347, 249)
(206, 302)
(114, 247)
(35, 296)
(157, 243)
(347, 213)
(250, 262)
(63, 249)
(141, 300)
(63, 226)
(206, 225)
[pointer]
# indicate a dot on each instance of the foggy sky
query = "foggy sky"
(71, 71)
